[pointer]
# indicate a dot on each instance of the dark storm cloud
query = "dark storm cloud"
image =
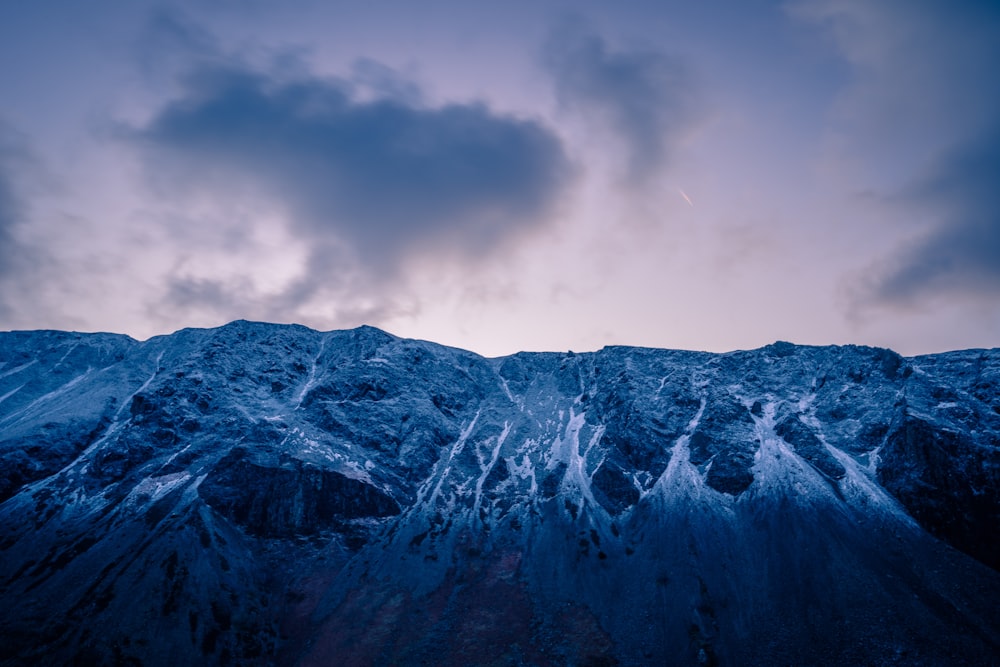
(647, 97)
(386, 177)
(961, 254)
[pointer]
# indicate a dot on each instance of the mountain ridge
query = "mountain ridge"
(261, 493)
(292, 325)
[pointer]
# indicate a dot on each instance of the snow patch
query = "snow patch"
(128, 401)
(681, 479)
(568, 451)
(862, 491)
(18, 369)
(10, 393)
(311, 380)
(487, 468)
(152, 489)
(456, 448)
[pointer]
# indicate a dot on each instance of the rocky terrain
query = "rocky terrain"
(265, 494)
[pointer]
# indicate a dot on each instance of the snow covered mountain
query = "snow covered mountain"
(268, 494)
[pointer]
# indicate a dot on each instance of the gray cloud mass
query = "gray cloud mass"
(647, 97)
(961, 254)
(386, 177)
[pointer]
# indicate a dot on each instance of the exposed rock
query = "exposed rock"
(809, 446)
(948, 483)
(260, 494)
(613, 489)
(294, 499)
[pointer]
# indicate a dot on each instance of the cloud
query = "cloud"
(13, 160)
(918, 116)
(919, 81)
(9, 213)
(359, 171)
(648, 98)
(961, 253)
(170, 39)
(384, 177)
(25, 261)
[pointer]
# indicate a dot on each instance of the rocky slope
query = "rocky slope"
(265, 494)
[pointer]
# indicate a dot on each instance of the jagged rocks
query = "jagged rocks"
(948, 483)
(294, 499)
(26, 459)
(613, 489)
(723, 445)
(729, 471)
(809, 446)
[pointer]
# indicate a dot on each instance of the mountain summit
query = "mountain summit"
(265, 494)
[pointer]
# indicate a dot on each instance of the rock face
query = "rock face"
(264, 494)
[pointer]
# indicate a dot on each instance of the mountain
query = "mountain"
(265, 494)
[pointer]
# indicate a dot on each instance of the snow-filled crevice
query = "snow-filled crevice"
(781, 473)
(524, 470)
(312, 379)
(680, 478)
(145, 385)
(566, 450)
(18, 369)
(444, 466)
(11, 393)
(487, 467)
(519, 402)
(861, 491)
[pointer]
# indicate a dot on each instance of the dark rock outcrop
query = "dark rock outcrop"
(293, 499)
(948, 483)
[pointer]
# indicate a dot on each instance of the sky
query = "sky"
(539, 175)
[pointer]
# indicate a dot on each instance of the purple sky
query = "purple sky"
(506, 176)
